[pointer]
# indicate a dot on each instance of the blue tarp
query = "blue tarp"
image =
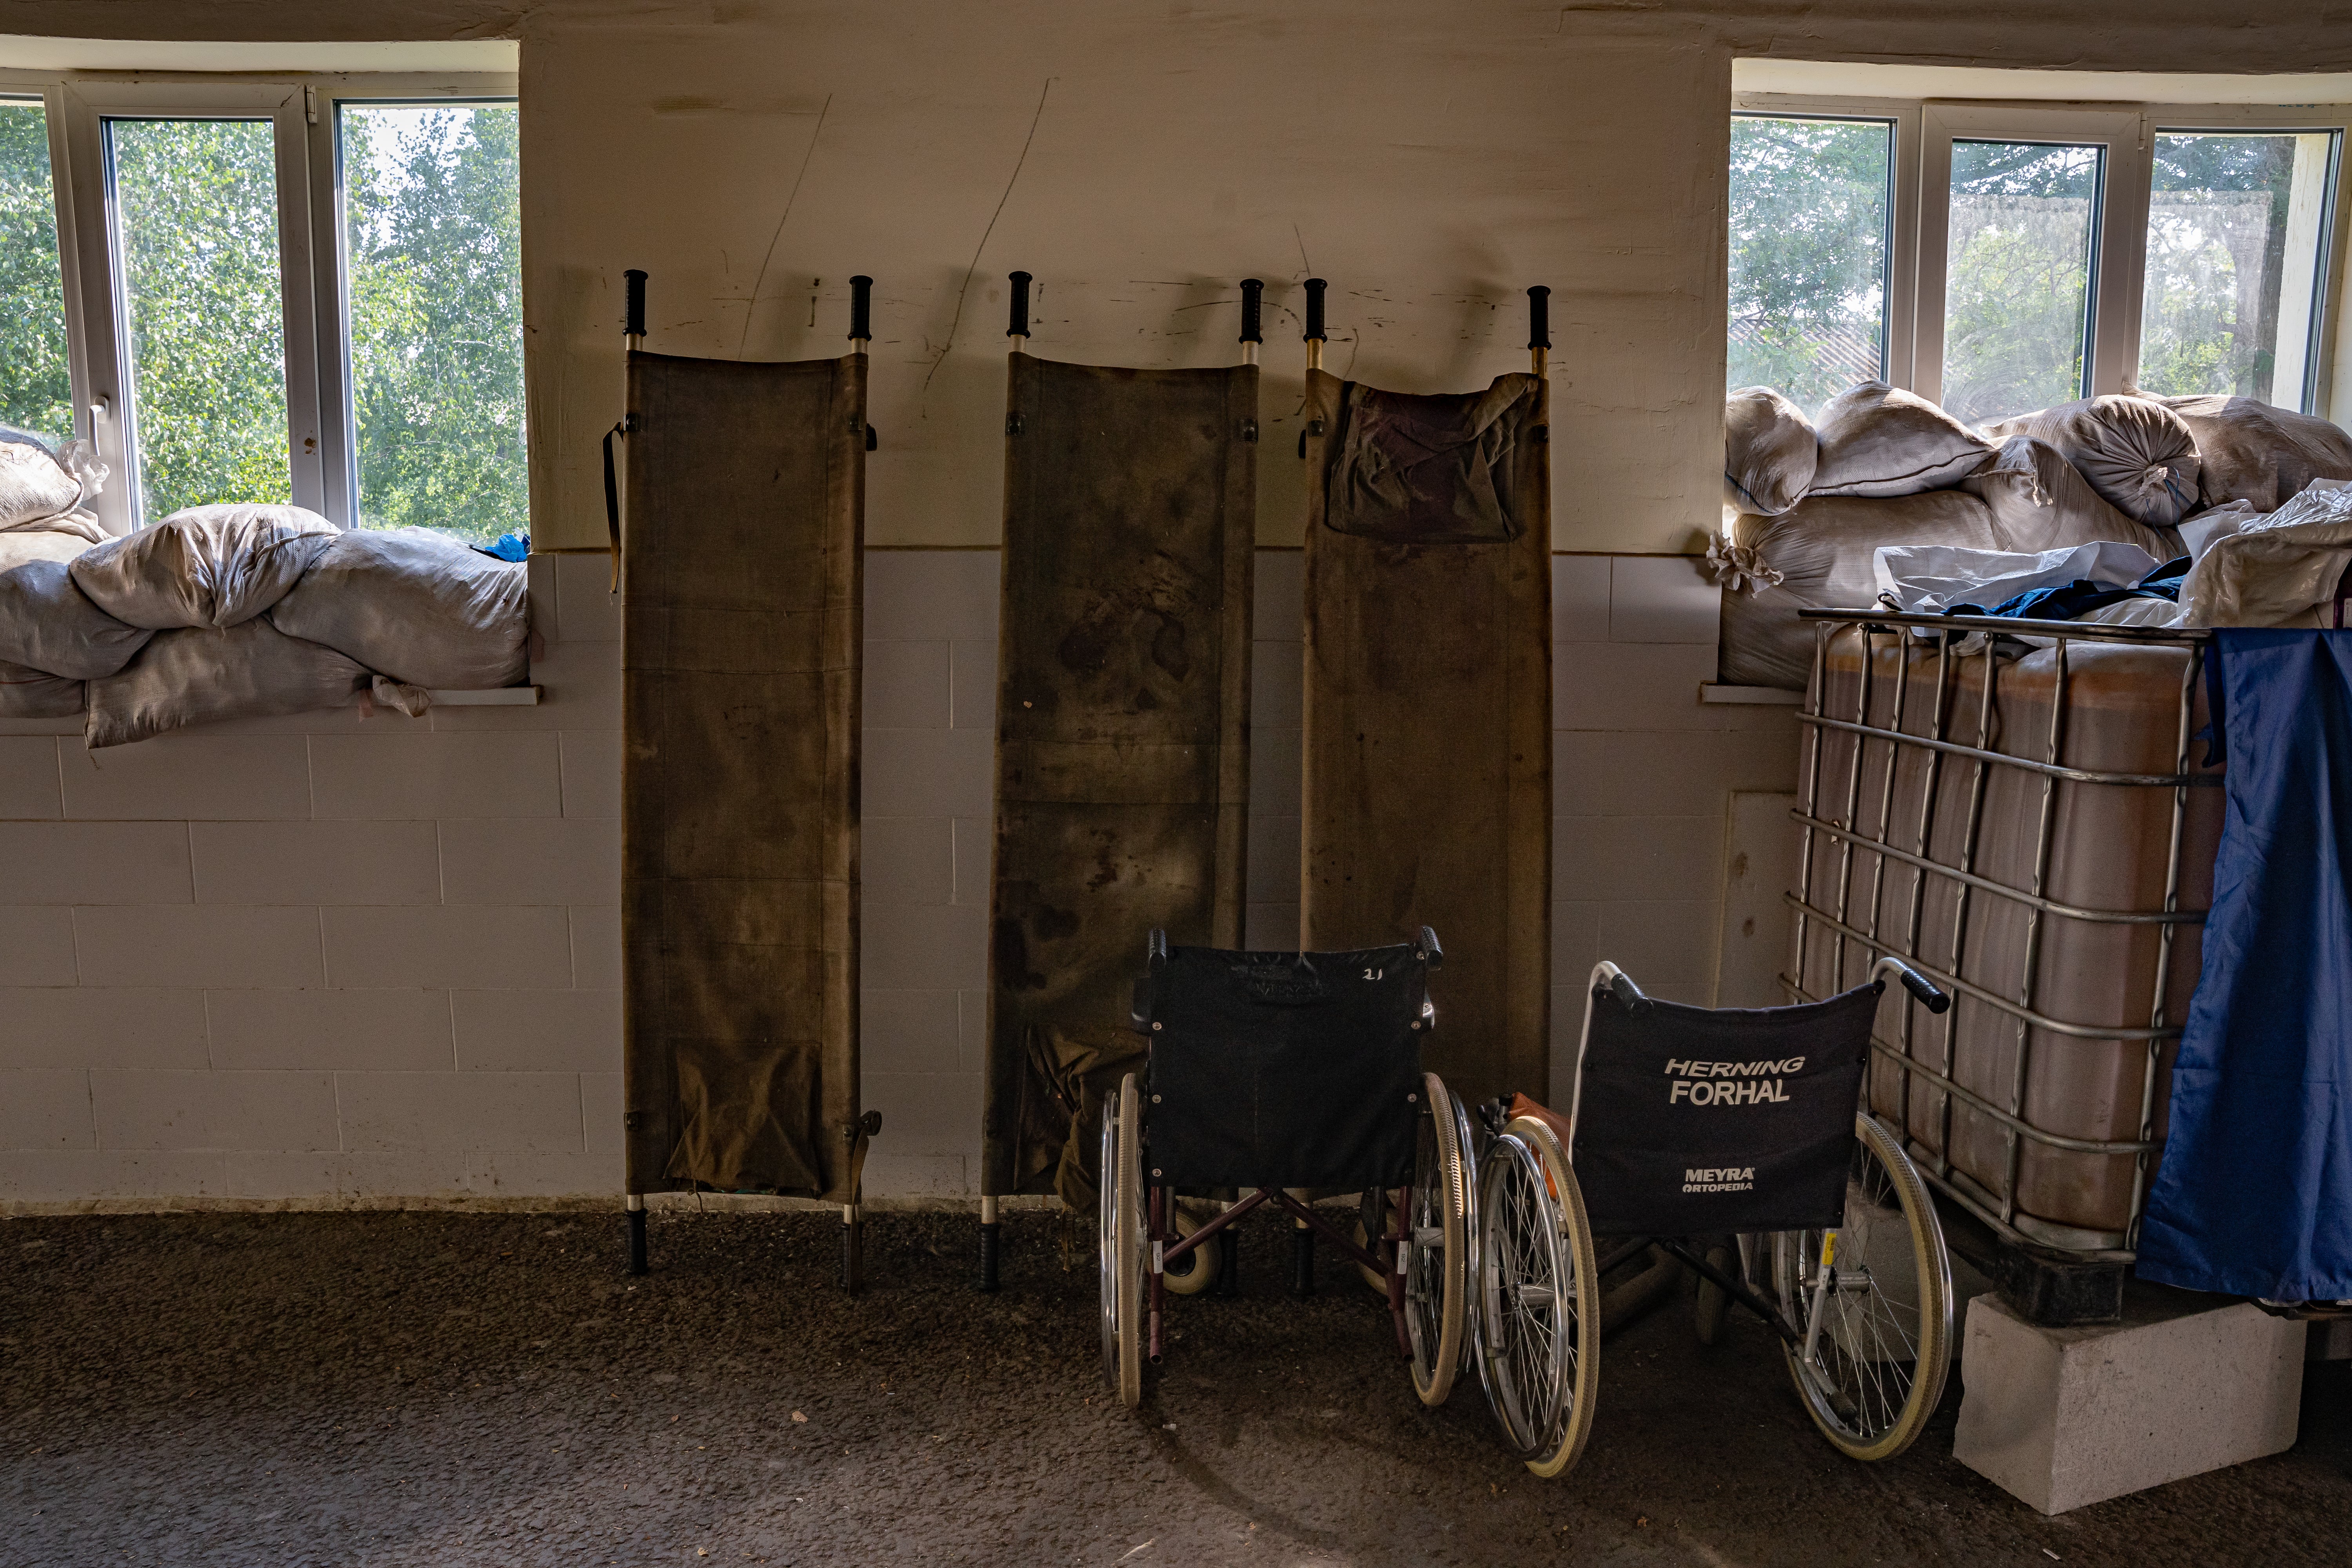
(2253, 1195)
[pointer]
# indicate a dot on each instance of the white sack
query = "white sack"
(2041, 502)
(2248, 451)
(204, 566)
(37, 694)
(420, 607)
(1823, 551)
(35, 486)
(2198, 532)
(2134, 451)
(195, 676)
(1876, 440)
(49, 624)
(1930, 579)
(1770, 452)
(2279, 569)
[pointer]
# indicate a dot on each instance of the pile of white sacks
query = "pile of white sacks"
(1809, 503)
(225, 612)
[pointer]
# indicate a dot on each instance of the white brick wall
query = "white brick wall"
(322, 959)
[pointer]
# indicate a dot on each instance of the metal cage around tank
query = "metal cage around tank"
(1945, 759)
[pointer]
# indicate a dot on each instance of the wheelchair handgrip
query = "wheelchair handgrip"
(1629, 996)
(1430, 950)
(1919, 985)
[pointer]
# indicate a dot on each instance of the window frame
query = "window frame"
(1925, 129)
(303, 109)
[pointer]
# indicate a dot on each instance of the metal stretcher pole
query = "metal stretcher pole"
(1538, 327)
(1315, 333)
(632, 338)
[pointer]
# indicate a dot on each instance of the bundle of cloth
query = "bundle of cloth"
(1812, 505)
(233, 611)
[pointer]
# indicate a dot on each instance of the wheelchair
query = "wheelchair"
(1732, 1141)
(1283, 1075)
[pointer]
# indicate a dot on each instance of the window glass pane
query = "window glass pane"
(2234, 238)
(1809, 240)
(2017, 285)
(433, 245)
(196, 208)
(35, 385)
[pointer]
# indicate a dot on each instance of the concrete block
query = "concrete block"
(601, 1109)
(36, 945)
(94, 863)
(592, 772)
(911, 1031)
(429, 775)
(1637, 856)
(889, 1177)
(597, 949)
(537, 1031)
(1634, 686)
(1575, 939)
(1579, 598)
(1761, 846)
(223, 778)
(45, 1108)
(925, 947)
(907, 860)
(448, 947)
(544, 617)
(1662, 598)
(29, 777)
(214, 1109)
(972, 684)
(975, 852)
(585, 607)
(920, 596)
(927, 1113)
(530, 860)
(1277, 686)
(328, 1030)
(579, 688)
(89, 1026)
(930, 772)
(161, 1179)
(508, 1112)
(198, 945)
(1273, 872)
(316, 862)
(2063, 1417)
(1278, 611)
(1275, 761)
(1672, 773)
(906, 686)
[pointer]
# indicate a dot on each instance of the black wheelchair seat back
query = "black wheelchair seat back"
(1283, 1069)
(1689, 1121)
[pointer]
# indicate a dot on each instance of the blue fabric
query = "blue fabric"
(2253, 1195)
(512, 548)
(2071, 601)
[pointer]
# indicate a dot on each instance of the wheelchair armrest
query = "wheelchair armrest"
(1433, 954)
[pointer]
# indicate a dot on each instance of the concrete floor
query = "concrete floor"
(411, 1388)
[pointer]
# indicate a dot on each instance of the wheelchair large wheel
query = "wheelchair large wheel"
(1539, 1298)
(1872, 1303)
(1437, 1283)
(1122, 1242)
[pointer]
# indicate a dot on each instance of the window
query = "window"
(304, 290)
(2032, 254)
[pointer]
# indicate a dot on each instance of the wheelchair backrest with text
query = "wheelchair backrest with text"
(1689, 1121)
(1283, 1069)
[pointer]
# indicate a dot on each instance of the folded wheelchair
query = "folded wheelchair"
(1730, 1140)
(1282, 1075)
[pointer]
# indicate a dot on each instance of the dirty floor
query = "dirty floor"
(432, 1388)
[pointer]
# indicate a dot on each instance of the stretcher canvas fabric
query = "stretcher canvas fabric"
(1122, 757)
(2254, 1194)
(1285, 1069)
(1427, 786)
(740, 657)
(1691, 1120)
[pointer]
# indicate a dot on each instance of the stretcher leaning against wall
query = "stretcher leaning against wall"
(737, 562)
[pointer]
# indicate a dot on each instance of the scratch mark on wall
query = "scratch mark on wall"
(1301, 239)
(970, 272)
(751, 306)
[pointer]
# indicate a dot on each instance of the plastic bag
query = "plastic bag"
(2281, 570)
(1931, 578)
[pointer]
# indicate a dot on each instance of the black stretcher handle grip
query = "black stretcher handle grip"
(1314, 286)
(1920, 986)
(635, 321)
(1629, 996)
(1158, 950)
(1250, 289)
(861, 307)
(1539, 317)
(1431, 953)
(1020, 326)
